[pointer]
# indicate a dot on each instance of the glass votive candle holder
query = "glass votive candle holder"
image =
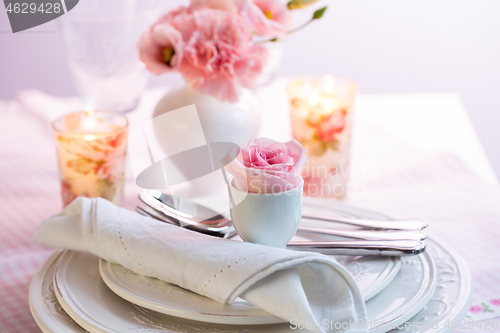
(91, 149)
(321, 111)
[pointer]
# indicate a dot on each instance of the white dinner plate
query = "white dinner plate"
(419, 271)
(372, 274)
(102, 308)
(44, 305)
(86, 298)
(450, 301)
(82, 293)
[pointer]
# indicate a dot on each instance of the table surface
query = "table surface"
(423, 123)
(419, 124)
(431, 123)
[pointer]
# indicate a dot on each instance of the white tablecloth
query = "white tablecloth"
(414, 155)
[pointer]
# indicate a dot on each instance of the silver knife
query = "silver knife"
(399, 248)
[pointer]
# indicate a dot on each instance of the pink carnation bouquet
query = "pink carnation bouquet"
(214, 44)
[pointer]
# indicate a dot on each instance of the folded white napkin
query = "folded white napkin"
(301, 287)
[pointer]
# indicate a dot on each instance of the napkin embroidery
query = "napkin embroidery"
(229, 266)
(118, 231)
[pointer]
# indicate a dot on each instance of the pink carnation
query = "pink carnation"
(265, 17)
(229, 5)
(214, 51)
(160, 36)
(268, 17)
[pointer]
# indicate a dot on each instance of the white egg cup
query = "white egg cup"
(269, 219)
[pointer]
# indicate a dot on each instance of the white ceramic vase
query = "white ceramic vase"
(236, 123)
(221, 121)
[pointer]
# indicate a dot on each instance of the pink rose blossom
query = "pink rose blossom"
(495, 302)
(265, 165)
(152, 43)
(475, 309)
(264, 153)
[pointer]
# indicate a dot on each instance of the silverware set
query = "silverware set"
(378, 237)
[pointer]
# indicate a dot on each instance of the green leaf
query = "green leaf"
(299, 4)
(319, 13)
(274, 39)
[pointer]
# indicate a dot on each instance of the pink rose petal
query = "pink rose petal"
(264, 166)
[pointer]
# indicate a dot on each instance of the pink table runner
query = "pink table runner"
(463, 209)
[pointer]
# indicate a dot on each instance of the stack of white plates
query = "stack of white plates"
(78, 292)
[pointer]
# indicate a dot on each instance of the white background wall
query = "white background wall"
(387, 46)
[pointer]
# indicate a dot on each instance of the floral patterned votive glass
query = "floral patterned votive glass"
(91, 148)
(321, 116)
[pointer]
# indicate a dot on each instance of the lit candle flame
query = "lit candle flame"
(89, 137)
(313, 99)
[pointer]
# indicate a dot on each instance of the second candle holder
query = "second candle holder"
(321, 110)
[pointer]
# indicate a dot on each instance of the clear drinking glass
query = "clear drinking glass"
(100, 38)
(91, 149)
(321, 111)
